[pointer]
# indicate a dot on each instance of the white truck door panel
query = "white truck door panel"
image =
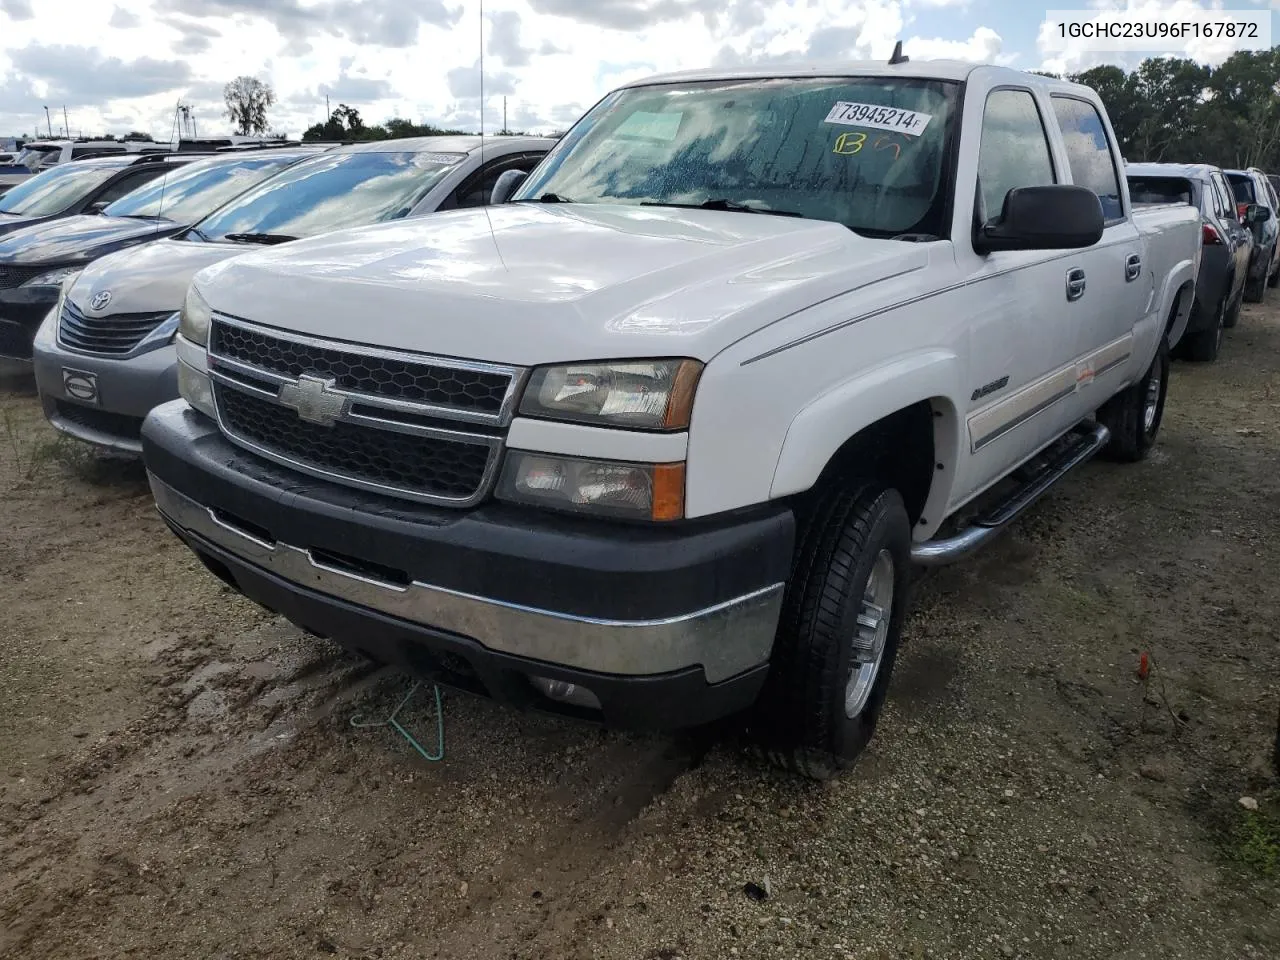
(1118, 281)
(1025, 330)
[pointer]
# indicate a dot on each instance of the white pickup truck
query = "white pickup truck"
(659, 440)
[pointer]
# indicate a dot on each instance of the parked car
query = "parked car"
(658, 440)
(1258, 207)
(86, 186)
(99, 369)
(1227, 246)
(36, 261)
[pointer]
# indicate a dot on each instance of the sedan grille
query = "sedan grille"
(112, 336)
(407, 425)
(11, 276)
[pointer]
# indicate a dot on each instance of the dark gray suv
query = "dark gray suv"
(1226, 244)
(1258, 207)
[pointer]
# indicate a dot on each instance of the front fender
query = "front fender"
(822, 427)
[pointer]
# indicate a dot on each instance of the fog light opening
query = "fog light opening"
(562, 691)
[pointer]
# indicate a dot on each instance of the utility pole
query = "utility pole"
(66, 124)
(48, 122)
(504, 114)
(327, 114)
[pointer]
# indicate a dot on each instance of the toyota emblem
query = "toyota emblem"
(100, 300)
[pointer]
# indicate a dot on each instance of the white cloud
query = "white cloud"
(417, 59)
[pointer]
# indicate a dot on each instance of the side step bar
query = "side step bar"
(1089, 439)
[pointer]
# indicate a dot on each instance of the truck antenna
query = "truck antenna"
(898, 56)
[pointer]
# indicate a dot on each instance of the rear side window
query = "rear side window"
(1241, 187)
(1160, 190)
(1014, 150)
(1225, 201)
(1089, 152)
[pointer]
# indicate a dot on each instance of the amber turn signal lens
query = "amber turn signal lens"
(668, 491)
(680, 403)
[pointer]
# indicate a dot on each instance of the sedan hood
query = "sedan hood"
(150, 278)
(71, 239)
(538, 283)
(10, 222)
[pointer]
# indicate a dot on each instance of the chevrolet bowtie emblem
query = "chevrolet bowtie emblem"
(313, 400)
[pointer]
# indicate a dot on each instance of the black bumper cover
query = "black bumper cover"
(22, 310)
(531, 558)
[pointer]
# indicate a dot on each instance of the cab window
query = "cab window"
(1014, 151)
(1089, 152)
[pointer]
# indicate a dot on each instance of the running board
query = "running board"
(1089, 439)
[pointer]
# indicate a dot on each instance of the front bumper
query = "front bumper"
(127, 389)
(667, 627)
(22, 310)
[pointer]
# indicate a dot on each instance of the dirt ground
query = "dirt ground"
(179, 777)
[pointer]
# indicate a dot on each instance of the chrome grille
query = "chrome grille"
(11, 276)
(110, 336)
(397, 377)
(407, 425)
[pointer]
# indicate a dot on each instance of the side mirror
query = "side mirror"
(1256, 213)
(1058, 217)
(507, 184)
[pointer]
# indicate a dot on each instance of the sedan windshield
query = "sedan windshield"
(866, 152)
(330, 192)
(57, 188)
(197, 189)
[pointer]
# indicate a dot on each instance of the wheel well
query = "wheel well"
(898, 449)
(1187, 290)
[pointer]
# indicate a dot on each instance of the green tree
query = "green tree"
(247, 100)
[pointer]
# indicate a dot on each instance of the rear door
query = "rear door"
(1119, 279)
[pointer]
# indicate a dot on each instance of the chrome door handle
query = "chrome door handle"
(1075, 283)
(1132, 267)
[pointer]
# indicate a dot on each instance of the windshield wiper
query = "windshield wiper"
(545, 198)
(721, 203)
(259, 237)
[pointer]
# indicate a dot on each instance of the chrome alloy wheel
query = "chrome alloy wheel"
(1152, 403)
(872, 633)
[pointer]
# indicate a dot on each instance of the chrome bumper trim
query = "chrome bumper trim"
(725, 640)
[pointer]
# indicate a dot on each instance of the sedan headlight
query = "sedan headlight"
(641, 394)
(53, 278)
(196, 318)
(634, 491)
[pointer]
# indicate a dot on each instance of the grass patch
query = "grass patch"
(1256, 843)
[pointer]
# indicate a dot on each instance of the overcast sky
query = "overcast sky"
(119, 65)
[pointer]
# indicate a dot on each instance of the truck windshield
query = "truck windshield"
(57, 188)
(867, 152)
(331, 192)
(197, 189)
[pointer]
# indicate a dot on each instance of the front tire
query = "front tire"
(1134, 414)
(839, 632)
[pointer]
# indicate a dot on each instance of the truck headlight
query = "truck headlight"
(640, 394)
(54, 278)
(602, 488)
(196, 318)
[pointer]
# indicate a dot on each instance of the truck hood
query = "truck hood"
(532, 283)
(85, 237)
(149, 278)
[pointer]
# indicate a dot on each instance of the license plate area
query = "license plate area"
(80, 386)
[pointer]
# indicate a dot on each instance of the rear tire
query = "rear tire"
(839, 632)
(1203, 345)
(1134, 414)
(1255, 290)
